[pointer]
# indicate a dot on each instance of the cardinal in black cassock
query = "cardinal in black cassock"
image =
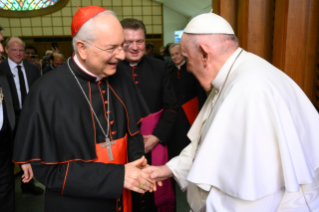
(64, 140)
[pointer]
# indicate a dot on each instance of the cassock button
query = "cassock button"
(105, 102)
(113, 132)
(99, 82)
(135, 75)
(103, 92)
(111, 122)
(136, 82)
(107, 112)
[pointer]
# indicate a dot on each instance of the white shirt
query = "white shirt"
(84, 69)
(14, 71)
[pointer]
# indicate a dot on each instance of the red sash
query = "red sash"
(119, 151)
(191, 110)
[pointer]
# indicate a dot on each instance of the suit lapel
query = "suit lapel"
(28, 73)
(7, 70)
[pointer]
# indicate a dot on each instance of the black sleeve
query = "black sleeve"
(81, 179)
(165, 126)
(135, 147)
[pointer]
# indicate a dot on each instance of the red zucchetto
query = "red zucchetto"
(82, 16)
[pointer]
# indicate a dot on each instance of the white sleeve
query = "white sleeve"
(180, 166)
(218, 201)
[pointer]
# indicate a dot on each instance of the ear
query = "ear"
(204, 55)
(82, 49)
(7, 50)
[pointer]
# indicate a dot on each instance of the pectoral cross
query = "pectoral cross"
(108, 145)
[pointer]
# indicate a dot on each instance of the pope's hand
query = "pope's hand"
(135, 179)
(158, 173)
(27, 172)
(150, 142)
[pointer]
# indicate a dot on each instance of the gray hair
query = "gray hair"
(215, 40)
(87, 31)
(173, 45)
(14, 37)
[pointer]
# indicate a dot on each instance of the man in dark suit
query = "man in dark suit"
(20, 75)
(7, 123)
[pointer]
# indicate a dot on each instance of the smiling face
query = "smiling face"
(136, 39)
(95, 55)
(176, 55)
(15, 50)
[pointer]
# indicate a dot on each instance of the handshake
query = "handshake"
(141, 177)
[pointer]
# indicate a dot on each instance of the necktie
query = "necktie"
(22, 84)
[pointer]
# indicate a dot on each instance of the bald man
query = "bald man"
(56, 59)
(254, 145)
(81, 123)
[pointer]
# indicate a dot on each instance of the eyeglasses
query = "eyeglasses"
(112, 51)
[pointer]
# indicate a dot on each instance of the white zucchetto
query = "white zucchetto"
(208, 23)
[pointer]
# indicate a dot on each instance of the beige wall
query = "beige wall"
(58, 23)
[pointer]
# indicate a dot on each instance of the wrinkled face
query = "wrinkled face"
(1, 45)
(177, 56)
(102, 55)
(15, 50)
(136, 40)
(28, 53)
(57, 61)
(194, 64)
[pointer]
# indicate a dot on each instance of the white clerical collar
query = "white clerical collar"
(84, 69)
(222, 74)
(179, 67)
(133, 64)
(13, 64)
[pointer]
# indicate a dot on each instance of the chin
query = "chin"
(109, 72)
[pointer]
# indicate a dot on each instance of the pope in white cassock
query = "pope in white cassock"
(255, 143)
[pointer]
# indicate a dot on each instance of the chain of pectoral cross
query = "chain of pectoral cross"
(107, 139)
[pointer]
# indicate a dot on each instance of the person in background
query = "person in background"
(151, 76)
(190, 99)
(21, 75)
(7, 126)
(56, 59)
(31, 55)
(150, 51)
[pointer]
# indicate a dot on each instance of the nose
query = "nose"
(133, 45)
(121, 55)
